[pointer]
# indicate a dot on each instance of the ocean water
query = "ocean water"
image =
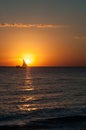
(43, 98)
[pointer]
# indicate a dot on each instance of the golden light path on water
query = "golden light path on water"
(32, 96)
(26, 101)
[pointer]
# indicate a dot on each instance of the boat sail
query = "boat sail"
(24, 64)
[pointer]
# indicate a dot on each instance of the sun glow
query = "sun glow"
(27, 61)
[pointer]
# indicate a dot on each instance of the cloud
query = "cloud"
(20, 25)
(80, 37)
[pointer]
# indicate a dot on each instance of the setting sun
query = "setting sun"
(27, 61)
(28, 58)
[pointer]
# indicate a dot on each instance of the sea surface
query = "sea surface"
(39, 98)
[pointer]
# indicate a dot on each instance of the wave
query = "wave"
(77, 121)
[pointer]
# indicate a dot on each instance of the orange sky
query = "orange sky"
(44, 47)
(48, 37)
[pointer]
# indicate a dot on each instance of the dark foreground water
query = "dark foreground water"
(43, 98)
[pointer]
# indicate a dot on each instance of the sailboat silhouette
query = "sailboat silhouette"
(24, 64)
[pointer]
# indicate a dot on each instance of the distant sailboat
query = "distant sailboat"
(24, 64)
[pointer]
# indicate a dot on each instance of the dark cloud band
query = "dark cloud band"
(20, 25)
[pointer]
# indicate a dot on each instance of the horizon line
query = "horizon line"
(45, 66)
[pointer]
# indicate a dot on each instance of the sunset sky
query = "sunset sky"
(48, 32)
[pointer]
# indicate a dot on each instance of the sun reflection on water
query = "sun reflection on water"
(27, 107)
(26, 100)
